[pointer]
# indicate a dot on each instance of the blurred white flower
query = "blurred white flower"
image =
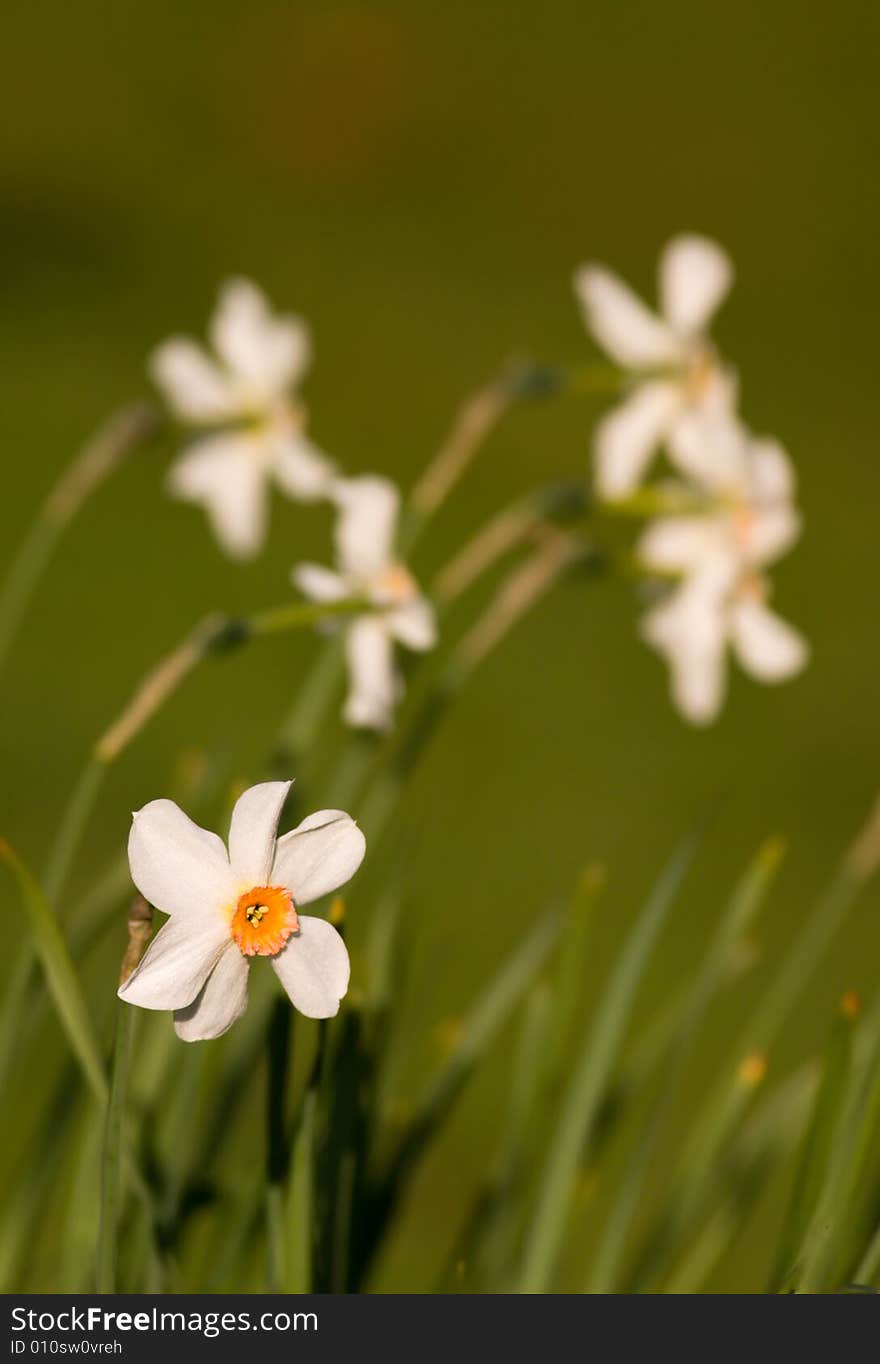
(252, 424)
(748, 522)
(747, 486)
(368, 569)
(673, 363)
(693, 627)
(226, 908)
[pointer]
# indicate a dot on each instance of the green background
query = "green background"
(419, 180)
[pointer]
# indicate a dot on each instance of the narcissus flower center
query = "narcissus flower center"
(396, 586)
(699, 374)
(744, 521)
(263, 920)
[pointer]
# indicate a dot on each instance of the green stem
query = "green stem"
(25, 572)
(71, 828)
(277, 1147)
(869, 1265)
(295, 615)
(590, 1078)
(129, 428)
(111, 1181)
(300, 1210)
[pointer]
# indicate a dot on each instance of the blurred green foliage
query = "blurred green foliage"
(419, 180)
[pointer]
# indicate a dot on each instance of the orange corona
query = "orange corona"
(264, 919)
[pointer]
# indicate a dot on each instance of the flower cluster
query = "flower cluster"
(723, 513)
(250, 427)
(727, 511)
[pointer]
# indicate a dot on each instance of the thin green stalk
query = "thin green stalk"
(761, 1141)
(129, 428)
(869, 1266)
(61, 976)
(478, 1030)
(492, 1237)
(572, 957)
(300, 1207)
(478, 417)
(24, 574)
(824, 1243)
(733, 925)
(705, 1250)
(112, 1160)
(816, 1145)
(306, 717)
(590, 1080)
(475, 1035)
(520, 591)
(277, 1151)
(24, 1201)
(728, 1100)
(71, 828)
(81, 1217)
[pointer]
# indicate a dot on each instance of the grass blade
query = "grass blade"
(592, 1073)
(111, 1163)
(61, 976)
(825, 1239)
(572, 955)
(740, 913)
(817, 1142)
(300, 1211)
(479, 1029)
(728, 1100)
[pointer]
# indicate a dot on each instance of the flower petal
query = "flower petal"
(708, 443)
(302, 471)
(368, 510)
(688, 630)
(679, 544)
(766, 646)
(194, 387)
(318, 856)
(265, 352)
(314, 968)
(414, 625)
(177, 962)
(775, 530)
(630, 333)
(226, 474)
(318, 583)
(772, 471)
(695, 275)
(252, 831)
(222, 999)
(374, 685)
(628, 436)
(180, 868)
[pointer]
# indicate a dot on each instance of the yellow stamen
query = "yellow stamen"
(264, 919)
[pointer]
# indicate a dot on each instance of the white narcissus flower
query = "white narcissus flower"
(693, 627)
(252, 425)
(749, 522)
(673, 364)
(750, 519)
(368, 569)
(226, 908)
